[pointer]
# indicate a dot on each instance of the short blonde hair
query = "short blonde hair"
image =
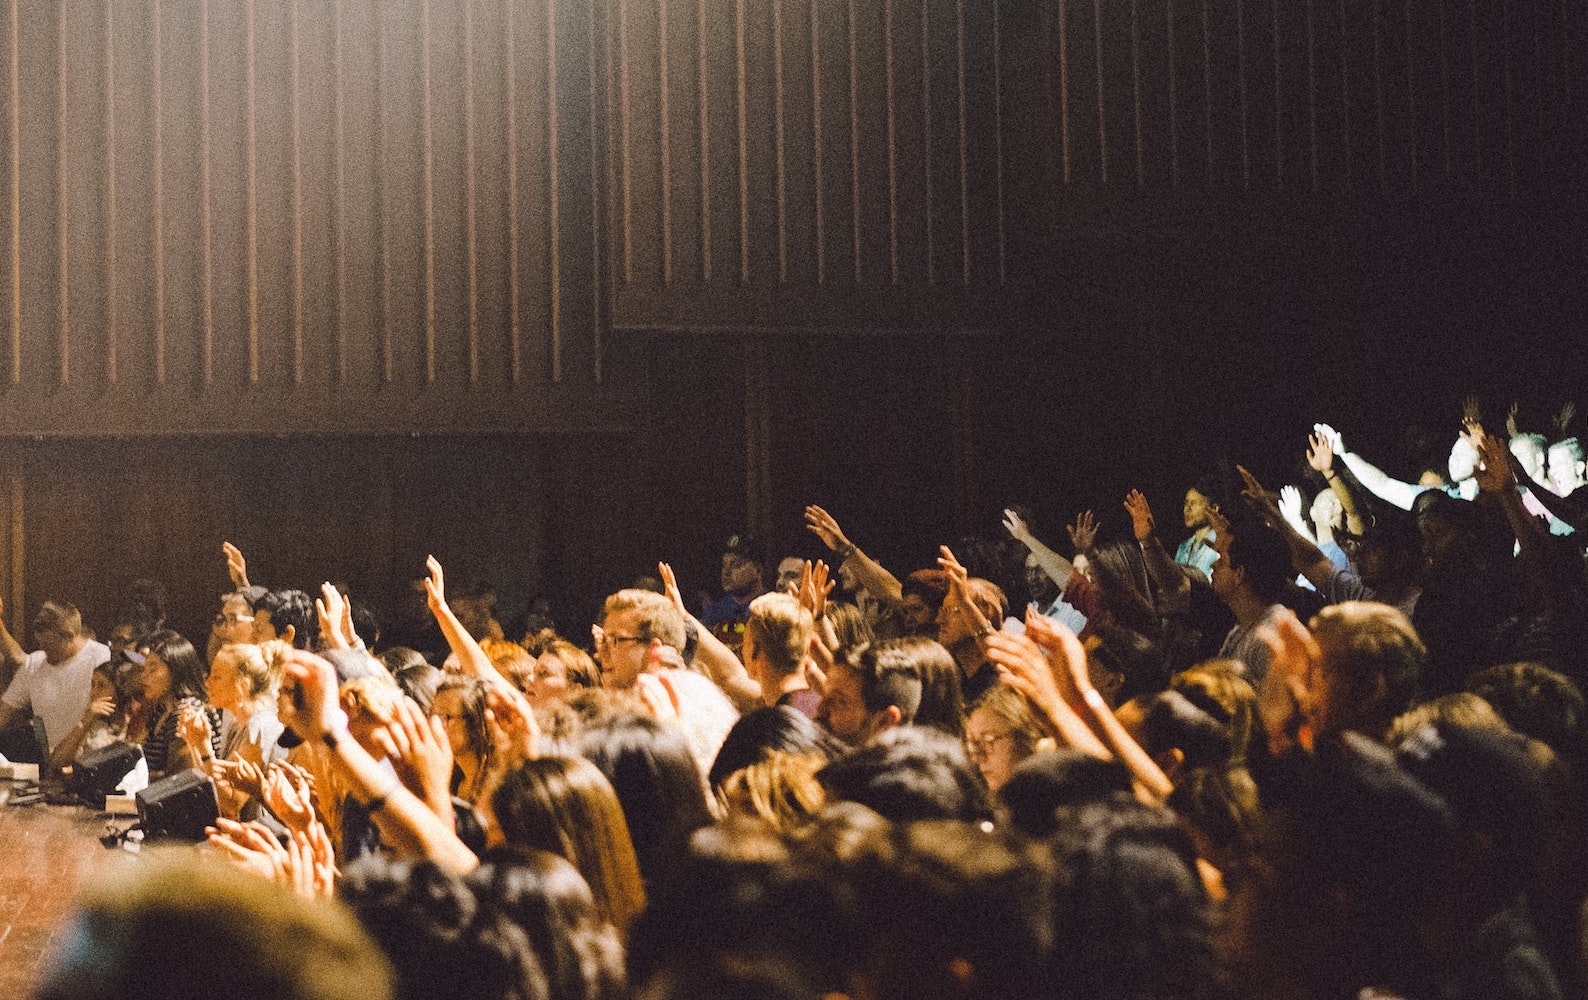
(782, 628)
(259, 665)
(658, 619)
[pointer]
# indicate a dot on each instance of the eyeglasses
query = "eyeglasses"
(978, 745)
(608, 639)
(232, 619)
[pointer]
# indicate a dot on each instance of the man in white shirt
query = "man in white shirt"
(52, 682)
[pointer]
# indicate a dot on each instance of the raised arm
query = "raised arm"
(711, 653)
(405, 822)
(1320, 456)
(1375, 480)
(879, 583)
(471, 658)
(1305, 556)
(1056, 566)
(1497, 479)
(1022, 665)
(1168, 575)
(12, 656)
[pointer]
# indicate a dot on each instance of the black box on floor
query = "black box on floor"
(178, 806)
(97, 774)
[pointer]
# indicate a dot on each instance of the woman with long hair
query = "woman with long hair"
(173, 678)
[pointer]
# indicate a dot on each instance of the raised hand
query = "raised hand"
(511, 723)
(1320, 454)
(1495, 472)
(815, 587)
(331, 607)
(1220, 542)
(1471, 411)
(1510, 420)
(959, 591)
(1016, 526)
(418, 747)
(1562, 420)
(1329, 434)
(824, 526)
(192, 726)
(435, 585)
(670, 588)
(1021, 664)
(1283, 696)
(312, 708)
(288, 795)
(1290, 506)
(244, 777)
(1083, 532)
(252, 847)
(1141, 524)
(236, 565)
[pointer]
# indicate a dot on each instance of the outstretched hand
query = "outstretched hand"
(1320, 454)
(1141, 524)
(1083, 532)
(1332, 436)
(815, 587)
(435, 585)
(1562, 420)
(332, 609)
(236, 565)
(1495, 472)
(670, 589)
(1016, 526)
(824, 526)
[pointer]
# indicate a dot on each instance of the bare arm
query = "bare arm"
(1379, 483)
(873, 576)
(1056, 566)
(1305, 556)
(1173, 585)
(1497, 479)
(471, 658)
(11, 652)
(719, 662)
(1320, 455)
(405, 822)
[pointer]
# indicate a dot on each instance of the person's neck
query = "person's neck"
(747, 594)
(1201, 534)
(791, 683)
(245, 710)
(69, 650)
(1324, 532)
(1247, 607)
(967, 652)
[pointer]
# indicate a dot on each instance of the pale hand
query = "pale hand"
(1016, 526)
(824, 526)
(236, 565)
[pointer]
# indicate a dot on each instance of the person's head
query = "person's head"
(741, 567)
(235, 620)
(1198, 505)
(1049, 779)
(780, 789)
(942, 704)
(1357, 869)
(849, 626)
(789, 571)
(1464, 459)
(654, 775)
(172, 669)
(560, 669)
(1256, 560)
(777, 637)
(910, 773)
(1535, 701)
(1000, 733)
(241, 674)
(1367, 672)
(1531, 451)
(923, 595)
(1388, 554)
(460, 703)
(1218, 688)
(632, 623)
(876, 688)
(1326, 510)
(510, 660)
(58, 629)
(441, 938)
(758, 734)
(177, 926)
(288, 615)
(545, 896)
(1566, 465)
(1129, 905)
(565, 805)
(419, 681)
(955, 624)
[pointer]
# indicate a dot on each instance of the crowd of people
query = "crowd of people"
(1316, 747)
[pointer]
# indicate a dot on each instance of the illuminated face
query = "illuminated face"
(1463, 460)
(235, 623)
(739, 575)
(842, 711)
(548, 681)
(223, 687)
(917, 614)
(1326, 510)
(622, 650)
(448, 707)
(1526, 450)
(1196, 509)
(788, 575)
(155, 678)
(993, 746)
(1565, 468)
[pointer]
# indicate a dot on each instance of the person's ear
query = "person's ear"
(888, 718)
(288, 634)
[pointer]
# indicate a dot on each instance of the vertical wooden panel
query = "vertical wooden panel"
(62, 212)
(428, 191)
(514, 334)
(703, 102)
(470, 196)
(207, 349)
(250, 110)
(816, 141)
(665, 139)
(15, 200)
(554, 172)
(296, 133)
(110, 193)
(893, 144)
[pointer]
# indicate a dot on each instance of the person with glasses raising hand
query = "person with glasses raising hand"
(1000, 732)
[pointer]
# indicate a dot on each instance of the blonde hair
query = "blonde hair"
(658, 619)
(782, 790)
(782, 629)
(510, 660)
(259, 665)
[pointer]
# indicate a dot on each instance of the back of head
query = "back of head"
(295, 608)
(910, 773)
(766, 730)
(1265, 556)
(1536, 702)
(781, 629)
(547, 898)
(180, 926)
(59, 616)
(1375, 657)
(942, 704)
(1130, 906)
(1049, 779)
(1217, 688)
(656, 618)
(439, 937)
(889, 676)
(655, 778)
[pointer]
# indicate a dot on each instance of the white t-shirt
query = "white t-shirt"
(56, 692)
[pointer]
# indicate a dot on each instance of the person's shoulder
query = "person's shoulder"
(95, 652)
